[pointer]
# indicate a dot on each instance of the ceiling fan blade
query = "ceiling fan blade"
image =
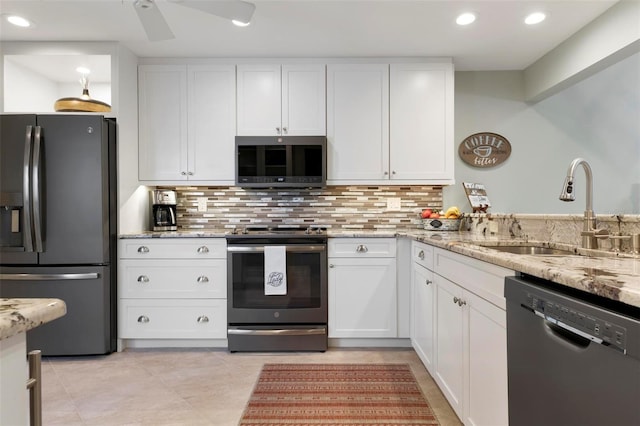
(231, 9)
(152, 20)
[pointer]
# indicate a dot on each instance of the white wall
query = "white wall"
(597, 119)
(27, 91)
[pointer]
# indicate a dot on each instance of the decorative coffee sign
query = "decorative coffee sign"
(484, 149)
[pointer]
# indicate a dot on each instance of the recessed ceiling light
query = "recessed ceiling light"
(18, 21)
(535, 18)
(465, 19)
(240, 23)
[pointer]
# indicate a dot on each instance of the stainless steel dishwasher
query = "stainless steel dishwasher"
(573, 358)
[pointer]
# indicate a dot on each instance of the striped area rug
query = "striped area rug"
(337, 394)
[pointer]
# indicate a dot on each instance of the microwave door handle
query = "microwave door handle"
(26, 190)
(37, 191)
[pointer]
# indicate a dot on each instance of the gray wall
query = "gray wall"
(597, 119)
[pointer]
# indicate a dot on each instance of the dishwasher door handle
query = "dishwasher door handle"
(563, 332)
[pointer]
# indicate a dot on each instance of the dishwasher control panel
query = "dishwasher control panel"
(586, 325)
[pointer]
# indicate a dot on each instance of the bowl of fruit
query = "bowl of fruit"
(443, 220)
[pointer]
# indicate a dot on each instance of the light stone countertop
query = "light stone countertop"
(614, 277)
(21, 315)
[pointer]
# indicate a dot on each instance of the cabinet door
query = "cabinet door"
(362, 297)
(449, 343)
(423, 316)
(486, 376)
(162, 103)
(212, 117)
(304, 100)
(358, 122)
(259, 100)
(421, 122)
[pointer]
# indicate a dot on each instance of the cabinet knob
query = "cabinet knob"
(386, 173)
(393, 172)
(427, 282)
(143, 319)
(143, 279)
(285, 130)
(143, 249)
(203, 250)
(203, 319)
(455, 299)
(362, 248)
(183, 173)
(202, 279)
(460, 301)
(421, 254)
(190, 173)
(278, 130)
(331, 265)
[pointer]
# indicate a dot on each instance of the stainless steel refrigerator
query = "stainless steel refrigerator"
(58, 225)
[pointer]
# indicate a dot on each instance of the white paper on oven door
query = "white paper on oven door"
(275, 270)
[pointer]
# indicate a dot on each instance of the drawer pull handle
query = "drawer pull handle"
(459, 301)
(362, 248)
(143, 319)
(421, 254)
(203, 279)
(203, 249)
(331, 265)
(143, 279)
(427, 282)
(143, 249)
(203, 319)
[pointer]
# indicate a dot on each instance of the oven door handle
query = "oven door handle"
(278, 332)
(295, 248)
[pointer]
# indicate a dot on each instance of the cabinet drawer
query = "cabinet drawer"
(482, 278)
(172, 319)
(362, 247)
(172, 278)
(422, 254)
(176, 248)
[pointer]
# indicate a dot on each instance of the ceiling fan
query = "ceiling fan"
(157, 28)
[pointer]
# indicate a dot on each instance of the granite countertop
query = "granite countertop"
(614, 277)
(20, 315)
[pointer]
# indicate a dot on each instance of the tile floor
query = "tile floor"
(191, 387)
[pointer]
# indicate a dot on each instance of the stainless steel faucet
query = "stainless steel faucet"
(590, 234)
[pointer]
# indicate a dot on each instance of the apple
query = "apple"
(426, 213)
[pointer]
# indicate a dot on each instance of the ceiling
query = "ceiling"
(497, 40)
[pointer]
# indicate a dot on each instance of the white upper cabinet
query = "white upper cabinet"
(187, 122)
(357, 122)
(390, 123)
(421, 122)
(276, 100)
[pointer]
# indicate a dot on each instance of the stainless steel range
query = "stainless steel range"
(277, 289)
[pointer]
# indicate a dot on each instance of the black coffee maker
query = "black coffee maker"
(164, 210)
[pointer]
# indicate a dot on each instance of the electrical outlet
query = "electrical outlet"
(393, 203)
(202, 204)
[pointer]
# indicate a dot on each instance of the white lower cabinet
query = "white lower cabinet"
(172, 289)
(459, 331)
(362, 288)
(422, 327)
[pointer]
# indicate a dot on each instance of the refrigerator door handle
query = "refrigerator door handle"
(50, 277)
(26, 190)
(36, 193)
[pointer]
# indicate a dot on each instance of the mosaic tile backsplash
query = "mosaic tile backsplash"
(349, 207)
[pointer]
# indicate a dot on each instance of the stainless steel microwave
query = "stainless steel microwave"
(281, 161)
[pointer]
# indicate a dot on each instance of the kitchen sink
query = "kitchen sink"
(530, 249)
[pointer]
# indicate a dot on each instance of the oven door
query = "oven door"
(305, 301)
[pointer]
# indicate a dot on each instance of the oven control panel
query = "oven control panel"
(578, 322)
